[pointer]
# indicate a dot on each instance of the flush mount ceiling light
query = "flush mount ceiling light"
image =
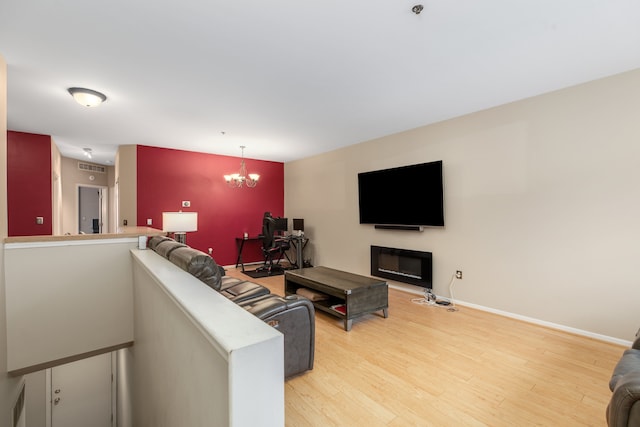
(87, 97)
(417, 9)
(237, 180)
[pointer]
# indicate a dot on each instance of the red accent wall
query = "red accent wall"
(29, 184)
(166, 177)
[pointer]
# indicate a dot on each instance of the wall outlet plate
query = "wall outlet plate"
(186, 204)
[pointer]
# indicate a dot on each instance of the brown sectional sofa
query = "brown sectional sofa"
(293, 315)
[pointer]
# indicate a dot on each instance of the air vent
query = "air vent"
(91, 168)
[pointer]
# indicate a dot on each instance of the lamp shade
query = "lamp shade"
(179, 222)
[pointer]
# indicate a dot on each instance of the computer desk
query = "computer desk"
(240, 246)
(299, 243)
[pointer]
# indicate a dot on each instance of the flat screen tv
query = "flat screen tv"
(402, 196)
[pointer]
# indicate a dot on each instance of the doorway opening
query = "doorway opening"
(92, 209)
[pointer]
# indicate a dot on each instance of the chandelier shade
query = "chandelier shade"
(242, 178)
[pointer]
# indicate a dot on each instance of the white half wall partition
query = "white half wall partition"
(200, 359)
(67, 298)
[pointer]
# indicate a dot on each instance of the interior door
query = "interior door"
(89, 210)
(81, 393)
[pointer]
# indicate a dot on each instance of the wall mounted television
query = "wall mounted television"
(402, 196)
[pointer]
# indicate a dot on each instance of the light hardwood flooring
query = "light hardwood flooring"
(427, 366)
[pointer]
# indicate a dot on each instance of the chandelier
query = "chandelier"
(237, 180)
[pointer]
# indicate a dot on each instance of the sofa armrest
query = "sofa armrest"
(624, 407)
(636, 342)
(630, 361)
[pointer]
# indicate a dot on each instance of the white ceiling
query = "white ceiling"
(290, 79)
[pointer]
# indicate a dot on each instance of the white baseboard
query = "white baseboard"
(551, 325)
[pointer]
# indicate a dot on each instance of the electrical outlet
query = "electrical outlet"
(458, 274)
(186, 204)
(149, 221)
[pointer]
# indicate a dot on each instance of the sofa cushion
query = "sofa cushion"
(244, 290)
(154, 241)
(228, 281)
(165, 247)
(199, 264)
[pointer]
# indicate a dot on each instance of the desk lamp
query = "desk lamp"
(179, 223)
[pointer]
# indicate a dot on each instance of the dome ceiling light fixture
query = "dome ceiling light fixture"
(87, 97)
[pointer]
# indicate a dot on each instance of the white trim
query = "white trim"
(48, 397)
(80, 242)
(539, 322)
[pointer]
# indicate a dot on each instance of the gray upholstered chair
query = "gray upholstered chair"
(624, 407)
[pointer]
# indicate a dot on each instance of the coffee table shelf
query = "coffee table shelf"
(360, 294)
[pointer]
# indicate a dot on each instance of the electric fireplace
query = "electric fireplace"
(402, 265)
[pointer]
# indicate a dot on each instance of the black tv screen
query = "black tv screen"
(408, 195)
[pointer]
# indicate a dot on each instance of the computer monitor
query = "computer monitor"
(282, 224)
(298, 224)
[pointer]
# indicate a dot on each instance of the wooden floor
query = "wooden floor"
(426, 366)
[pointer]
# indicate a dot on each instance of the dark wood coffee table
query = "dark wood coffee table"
(359, 295)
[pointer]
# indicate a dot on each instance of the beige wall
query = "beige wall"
(541, 198)
(9, 387)
(56, 189)
(126, 185)
(72, 178)
(78, 300)
(113, 214)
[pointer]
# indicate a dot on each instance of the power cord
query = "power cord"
(431, 300)
(453, 304)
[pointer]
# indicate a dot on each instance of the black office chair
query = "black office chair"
(273, 247)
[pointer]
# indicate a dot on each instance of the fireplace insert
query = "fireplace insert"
(402, 265)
